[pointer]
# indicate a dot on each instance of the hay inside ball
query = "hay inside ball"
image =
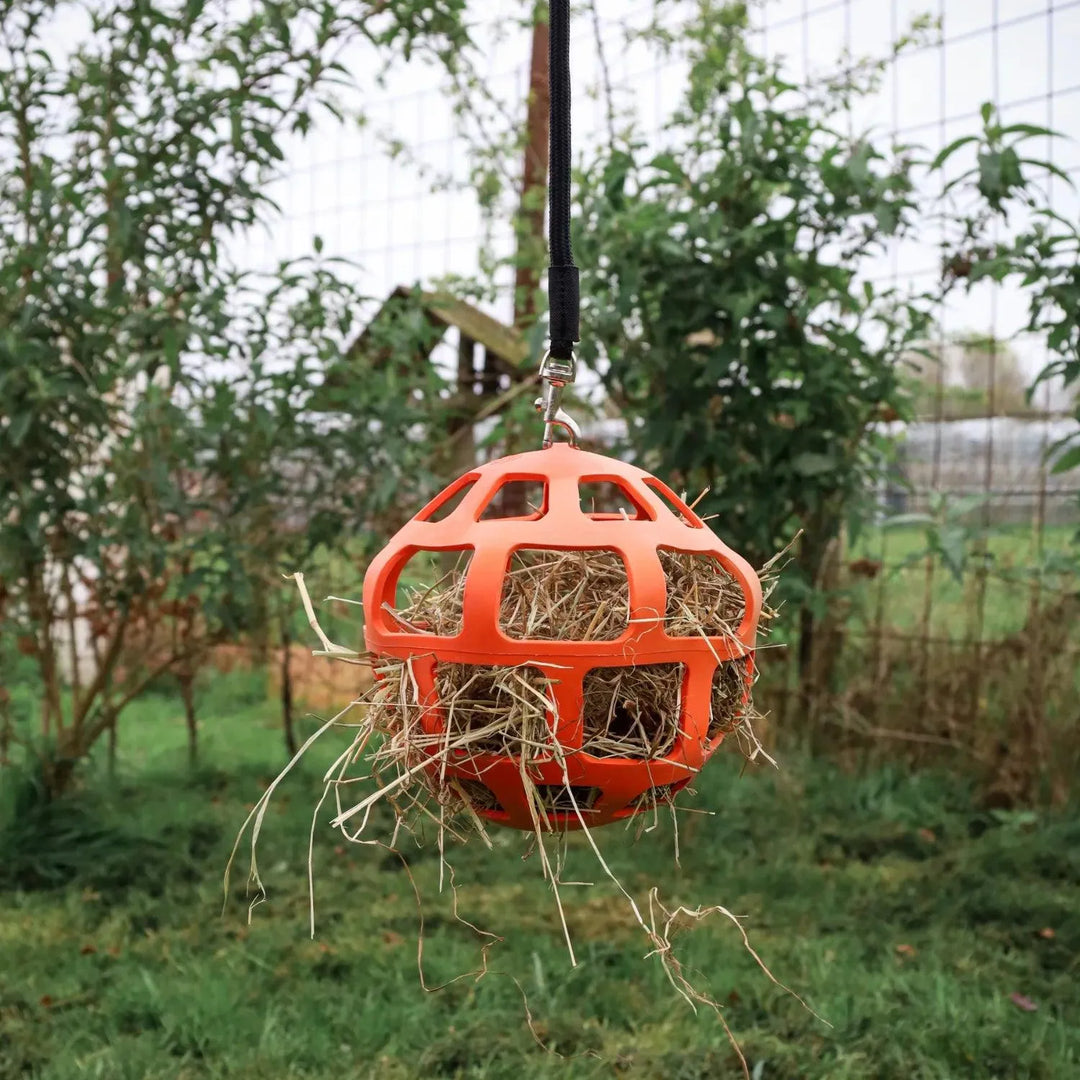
(630, 712)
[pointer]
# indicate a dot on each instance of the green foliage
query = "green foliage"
(724, 308)
(949, 532)
(907, 916)
(158, 460)
(728, 311)
(48, 844)
(998, 174)
(1040, 254)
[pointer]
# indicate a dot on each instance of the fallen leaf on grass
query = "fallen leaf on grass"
(1022, 1001)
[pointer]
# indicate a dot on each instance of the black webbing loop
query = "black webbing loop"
(563, 292)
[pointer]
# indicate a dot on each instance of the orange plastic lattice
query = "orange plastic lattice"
(559, 522)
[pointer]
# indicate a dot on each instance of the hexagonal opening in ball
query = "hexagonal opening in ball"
(553, 595)
(632, 712)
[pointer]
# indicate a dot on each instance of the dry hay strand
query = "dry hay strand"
(437, 608)
(487, 710)
(496, 710)
(657, 796)
(632, 712)
(730, 700)
(702, 597)
(565, 596)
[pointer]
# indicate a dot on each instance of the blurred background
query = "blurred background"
(273, 275)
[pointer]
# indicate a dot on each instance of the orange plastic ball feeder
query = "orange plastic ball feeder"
(561, 524)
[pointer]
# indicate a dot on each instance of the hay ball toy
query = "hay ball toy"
(581, 659)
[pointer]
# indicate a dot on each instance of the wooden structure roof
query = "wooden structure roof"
(505, 351)
(494, 363)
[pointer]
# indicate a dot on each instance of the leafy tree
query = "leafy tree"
(1004, 229)
(305, 465)
(135, 413)
(724, 308)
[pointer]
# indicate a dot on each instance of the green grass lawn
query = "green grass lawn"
(904, 915)
(987, 605)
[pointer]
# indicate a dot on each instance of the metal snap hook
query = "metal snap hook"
(556, 375)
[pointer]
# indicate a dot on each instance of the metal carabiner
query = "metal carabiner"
(556, 375)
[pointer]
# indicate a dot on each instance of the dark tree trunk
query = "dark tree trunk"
(287, 720)
(530, 239)
(807, 626)
(820, 638)
(187, 694)
(44, 652)
(59, 774)
(110, 760)
(6, 728)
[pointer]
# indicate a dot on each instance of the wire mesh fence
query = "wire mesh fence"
(912, 647)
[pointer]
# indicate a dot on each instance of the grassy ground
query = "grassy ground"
(906, 916)
(987, 606)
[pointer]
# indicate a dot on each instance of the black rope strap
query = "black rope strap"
(563, 293)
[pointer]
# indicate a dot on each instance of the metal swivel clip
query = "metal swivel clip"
(556, 375)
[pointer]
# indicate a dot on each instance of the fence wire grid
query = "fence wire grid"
(921, 640)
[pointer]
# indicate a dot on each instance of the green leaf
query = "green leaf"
(965, 504)
(1054, 170)
(951, 149)
(906, 520)
(19, 427)
(952, 543)
(1068, 460)
(614, 178)
(990, 176)
(887, 216)
(669, 164)
(813, 464)
(1031, 130)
